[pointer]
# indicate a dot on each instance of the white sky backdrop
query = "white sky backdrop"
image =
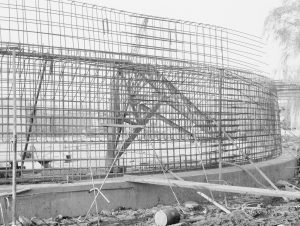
(243, 15)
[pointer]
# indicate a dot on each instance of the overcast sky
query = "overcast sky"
(243, 15)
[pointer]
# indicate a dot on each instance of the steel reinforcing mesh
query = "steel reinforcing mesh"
(94, 84)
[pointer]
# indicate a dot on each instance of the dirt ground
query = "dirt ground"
(245, 210)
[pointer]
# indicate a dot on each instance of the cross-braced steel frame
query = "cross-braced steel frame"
(94, 85)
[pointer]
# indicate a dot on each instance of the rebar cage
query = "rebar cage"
(97, 87)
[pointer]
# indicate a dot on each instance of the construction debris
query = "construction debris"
(192, 205)
(167, 217)
(24, 221)
(288, 186)
(213, 202)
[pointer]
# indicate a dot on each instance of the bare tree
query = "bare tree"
(283, 24)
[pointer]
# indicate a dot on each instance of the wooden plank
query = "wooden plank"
(216, 187)
(214, 202)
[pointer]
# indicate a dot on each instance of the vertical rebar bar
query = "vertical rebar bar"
(221, 73)
(14, 170)
(220, 123)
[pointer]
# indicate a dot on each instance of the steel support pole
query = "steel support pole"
(220, 124)
(220, 111)
(14, 169)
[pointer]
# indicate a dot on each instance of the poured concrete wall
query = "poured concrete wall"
(49, 200)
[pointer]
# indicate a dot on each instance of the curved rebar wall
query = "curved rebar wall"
(96, 84)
